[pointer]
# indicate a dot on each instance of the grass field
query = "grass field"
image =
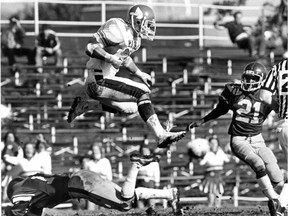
(197, 210)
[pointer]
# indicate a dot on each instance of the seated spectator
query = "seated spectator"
(213, 182)
(47, 44)
(266, 30)
(238, 33)
(280, 20)
(97, 163)
(12, 40)
(29, 165)
(149, 177)
(43, 153)
(11, 152)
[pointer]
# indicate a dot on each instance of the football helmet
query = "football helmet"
(253, 76)
(142, 20)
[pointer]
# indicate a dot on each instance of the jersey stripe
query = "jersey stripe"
(277, 81)
(270, 81)
(22, 197)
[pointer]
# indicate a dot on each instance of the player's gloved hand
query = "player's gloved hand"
(194, 124)
(114, 60)
(146, 78)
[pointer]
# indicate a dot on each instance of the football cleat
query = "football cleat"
(143, 160)
(151, 211)
(169, 138)
(275, 208)
(78, 107)
(175, 201)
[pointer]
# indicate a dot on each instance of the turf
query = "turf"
(188, 210)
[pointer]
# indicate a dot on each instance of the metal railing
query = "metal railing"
(201, 26)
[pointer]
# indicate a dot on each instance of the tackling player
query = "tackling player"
(276, 82)
(31, 194)
(249, 113)
(113, 44)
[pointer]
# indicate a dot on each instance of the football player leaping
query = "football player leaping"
(245, 129)
(113, 44)
(277, 82)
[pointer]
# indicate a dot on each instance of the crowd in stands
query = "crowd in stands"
(47, 44)
(18, 159)
(269, 32)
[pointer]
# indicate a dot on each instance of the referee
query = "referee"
(276, 83)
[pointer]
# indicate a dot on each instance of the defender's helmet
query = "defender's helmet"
(142, 20)
(10, 188)
(253, 75)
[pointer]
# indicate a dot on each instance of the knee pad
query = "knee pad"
(260, 172)
(144, 98)
(257, 164)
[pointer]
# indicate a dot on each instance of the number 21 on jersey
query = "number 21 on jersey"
(249, 112)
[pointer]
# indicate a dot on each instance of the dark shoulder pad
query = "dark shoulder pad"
(233, 88)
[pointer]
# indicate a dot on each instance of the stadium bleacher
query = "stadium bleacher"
(198, 95)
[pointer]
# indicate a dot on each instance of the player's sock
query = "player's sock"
(150, 193)
(148, 114)
(267, 188)
(155, 125)
(128, 187)
(283, 196)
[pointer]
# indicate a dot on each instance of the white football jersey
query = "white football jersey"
(118, 39)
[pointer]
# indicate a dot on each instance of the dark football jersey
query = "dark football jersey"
(249, 112)
(40, 190)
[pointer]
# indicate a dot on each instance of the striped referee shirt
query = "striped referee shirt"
(277, 82)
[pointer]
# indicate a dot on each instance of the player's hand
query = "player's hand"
(146, 79)
(49, 50)
(115, 61)
(194, 124)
